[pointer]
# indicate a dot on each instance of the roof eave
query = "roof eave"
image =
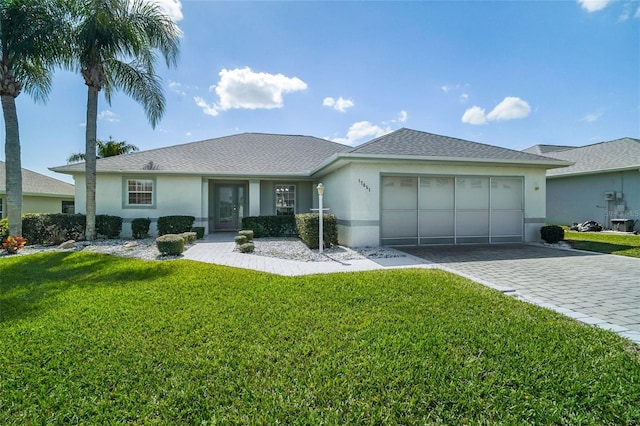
(551, 164)
(595, 172)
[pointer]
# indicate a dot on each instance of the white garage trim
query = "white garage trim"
(436, 209)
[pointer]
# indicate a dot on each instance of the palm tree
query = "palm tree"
(115, 45)
(105, 149)
(30, 44)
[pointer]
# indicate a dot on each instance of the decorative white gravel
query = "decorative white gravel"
(284, 248)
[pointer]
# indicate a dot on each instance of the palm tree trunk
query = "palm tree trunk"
(13, 165)
(90, 162)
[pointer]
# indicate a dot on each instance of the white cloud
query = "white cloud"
(108, 115)
(339, 104)
(403, 116)
(464, 98)
(206, 108)
(509, 109)
(474, 115)
(176, 87)
(188, 134)
(593, 5)
(591, 117)
(361, 130)
(637, 14)
(171, 8)
(242, 88)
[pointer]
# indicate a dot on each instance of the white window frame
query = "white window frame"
(285, 188)
(126, 193)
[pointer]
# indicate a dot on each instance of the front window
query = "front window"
(68, 207)
(139, 192)
(1, 211)
(285, 200)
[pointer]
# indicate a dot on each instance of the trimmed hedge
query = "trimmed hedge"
(189, 237)
(140, 227)
(307, 224)
(108, 226)
(175, 224)
(270, 226)
(4, 228)
(53, 228)
(552, 233)
(170, 244)
(199, 230)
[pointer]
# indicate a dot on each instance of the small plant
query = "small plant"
(552, 233)
(11, 245)
(108, 226)
(240, 239)
(247, 233)
(199, 230)
(140, 227)
(4, 228)
(246, 248)
(170, 244)
(189, 237)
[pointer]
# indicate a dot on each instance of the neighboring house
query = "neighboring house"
(408, 187)
(40, 193)
(603, 184)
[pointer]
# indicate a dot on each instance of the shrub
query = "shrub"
(189, 237)
(108, 226)
(552, 233)
(240, 239)
(174, 224)
(307, 224)
(4, 228)
(53, 228)
(248, 234)
(140, 227)
(170, 244)
(12, 244)
(270, 226)
(199, 230)
(246, 248)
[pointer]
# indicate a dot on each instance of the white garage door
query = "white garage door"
(426, 210)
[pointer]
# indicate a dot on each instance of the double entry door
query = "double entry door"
(228, 207)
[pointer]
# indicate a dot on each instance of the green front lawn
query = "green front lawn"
(604, 242)
(96, 339)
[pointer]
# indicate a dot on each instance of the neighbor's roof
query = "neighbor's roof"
(615, 155)
(545, 149)
(36, 184)
(413, 143)
(256, 154)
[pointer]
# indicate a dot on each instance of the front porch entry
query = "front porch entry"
(228, 204)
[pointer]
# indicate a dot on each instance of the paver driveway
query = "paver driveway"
(605, 287)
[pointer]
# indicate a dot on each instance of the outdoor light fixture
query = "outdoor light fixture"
(320, 189)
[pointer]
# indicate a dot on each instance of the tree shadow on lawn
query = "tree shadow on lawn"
(599, 247)
(30, 284)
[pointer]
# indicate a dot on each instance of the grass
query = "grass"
(97, 339)
(604, 242)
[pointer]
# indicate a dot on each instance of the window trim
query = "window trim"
(125, 192)
(295, 198)
(1, 208)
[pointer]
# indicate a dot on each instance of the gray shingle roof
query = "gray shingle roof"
(545, 149)
(35, 183)
(244, 154)
(416, 143)
(618, 154)
(260, 154)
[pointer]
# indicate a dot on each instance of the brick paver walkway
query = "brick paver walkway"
(594, 288)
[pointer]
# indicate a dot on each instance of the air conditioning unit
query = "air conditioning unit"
(609, 195)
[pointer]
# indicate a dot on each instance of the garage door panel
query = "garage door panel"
(399, 223)
(506, 223)
(473, 223)
(472, 193)
(436, 223)
(436, 193)
(506, 194)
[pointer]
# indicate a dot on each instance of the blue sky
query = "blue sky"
(506, 73)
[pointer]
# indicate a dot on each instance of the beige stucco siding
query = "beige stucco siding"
(174, 195)
(36, 204)
(353, 194)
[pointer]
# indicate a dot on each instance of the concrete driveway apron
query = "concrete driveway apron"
(598, 289)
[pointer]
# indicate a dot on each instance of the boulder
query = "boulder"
(71, 244)
(131, 244)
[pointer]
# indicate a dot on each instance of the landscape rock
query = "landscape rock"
(71, 244)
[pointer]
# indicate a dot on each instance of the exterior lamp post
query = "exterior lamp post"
(320, 189)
